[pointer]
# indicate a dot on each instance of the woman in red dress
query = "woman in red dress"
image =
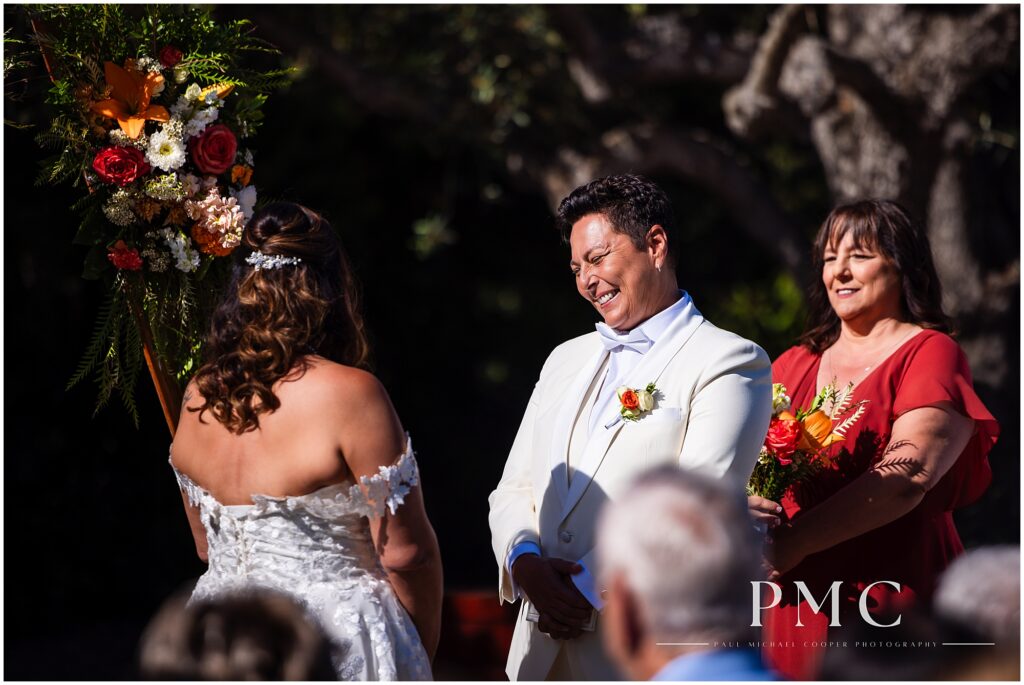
(883, 512)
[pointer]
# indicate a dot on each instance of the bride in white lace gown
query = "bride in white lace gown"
(293, 466)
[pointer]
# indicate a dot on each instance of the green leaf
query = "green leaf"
(96, 263)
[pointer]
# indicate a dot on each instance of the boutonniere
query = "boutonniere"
(635, 402)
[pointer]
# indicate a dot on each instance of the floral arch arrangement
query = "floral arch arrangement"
(153, 114)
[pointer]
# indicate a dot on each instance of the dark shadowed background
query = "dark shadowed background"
(437, 140)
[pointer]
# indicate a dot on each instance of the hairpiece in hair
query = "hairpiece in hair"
(258, 260)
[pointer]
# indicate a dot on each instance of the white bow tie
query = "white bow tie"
(635, 339)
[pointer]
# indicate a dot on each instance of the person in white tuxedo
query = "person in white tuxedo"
(655, 384)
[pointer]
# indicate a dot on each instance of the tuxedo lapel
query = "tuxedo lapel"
(566, 417)
(593, 455)
(647, 371)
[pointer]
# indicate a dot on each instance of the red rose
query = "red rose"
(630, 400)
(169, 56)
(782, 438)
(214, 150)
(124, 257)
(120, 165)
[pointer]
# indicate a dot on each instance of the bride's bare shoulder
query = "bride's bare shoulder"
(328, 381)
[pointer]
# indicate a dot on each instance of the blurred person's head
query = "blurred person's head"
(980, 591)
(251, 635)
(677, 553)
(291, 294)
(875, 262)
(622, 234)
(978, 597)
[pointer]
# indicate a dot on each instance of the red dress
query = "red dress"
(912, 550)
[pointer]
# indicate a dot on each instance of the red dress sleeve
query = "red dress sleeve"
(937, 371)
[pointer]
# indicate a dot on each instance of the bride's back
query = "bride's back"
(295, 450)
(269, 411)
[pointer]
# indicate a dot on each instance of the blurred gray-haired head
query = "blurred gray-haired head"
(980, 592)
(685, 545)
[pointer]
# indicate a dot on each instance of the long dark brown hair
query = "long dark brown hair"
(887, 227)
(270, 319)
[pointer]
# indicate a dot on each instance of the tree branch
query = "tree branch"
(647, 149)
(755, 105)
(656, 49)
(379, 94)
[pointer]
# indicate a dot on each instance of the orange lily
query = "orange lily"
(130, 93)
(816, 432)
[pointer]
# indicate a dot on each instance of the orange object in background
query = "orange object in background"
(476, 633)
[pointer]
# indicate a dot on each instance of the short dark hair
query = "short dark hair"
(630, 202)
(888, 227)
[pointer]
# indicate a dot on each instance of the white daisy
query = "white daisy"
(165, 151)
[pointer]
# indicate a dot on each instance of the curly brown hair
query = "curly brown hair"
(271, 319)
(888, 227)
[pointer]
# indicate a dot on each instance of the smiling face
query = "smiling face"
(862, 284)
(623, 283)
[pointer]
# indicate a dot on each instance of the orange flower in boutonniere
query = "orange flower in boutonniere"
(130, 93)
(634, 403)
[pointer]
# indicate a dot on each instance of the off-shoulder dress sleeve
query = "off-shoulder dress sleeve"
(937, 371)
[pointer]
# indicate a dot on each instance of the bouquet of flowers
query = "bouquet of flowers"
(797, 445)
(152, 115)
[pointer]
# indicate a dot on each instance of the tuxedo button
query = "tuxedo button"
(565, 536)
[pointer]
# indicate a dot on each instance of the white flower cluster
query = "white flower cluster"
(119, 209)
(189, 108)
(148, 64)
(200, 120)
(185, 258)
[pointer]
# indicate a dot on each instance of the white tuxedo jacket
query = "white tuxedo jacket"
(711, 415)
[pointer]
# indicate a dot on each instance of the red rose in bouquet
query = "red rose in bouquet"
(782, 438)
(120, 165)
(170, 56)
(214, 150)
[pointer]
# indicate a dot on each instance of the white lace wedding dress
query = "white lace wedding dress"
(317, 548)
